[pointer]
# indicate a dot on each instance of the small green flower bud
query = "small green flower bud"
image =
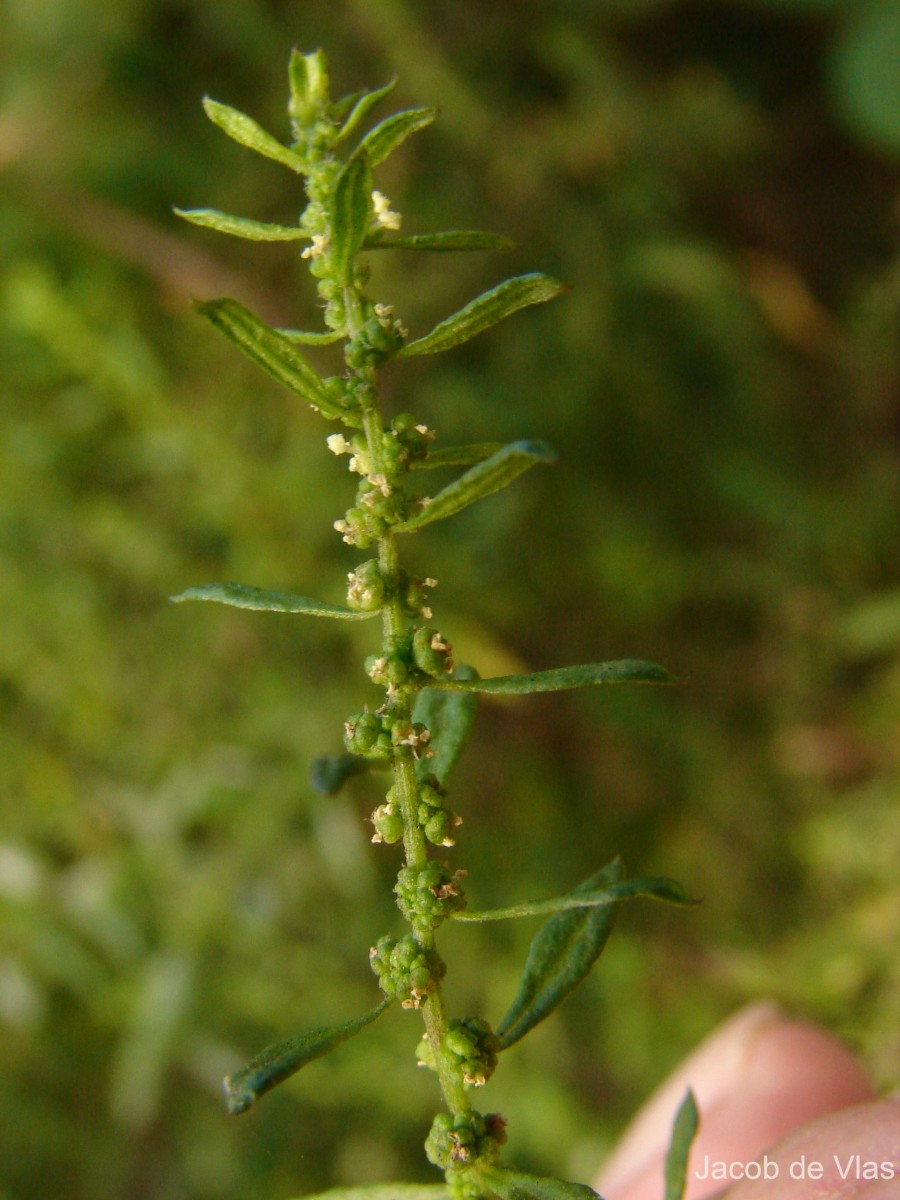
(379, 336)
(458, 1043)
(432, 654)
(396, 671)
(360, 732)
(355, 355)
(437, 829)
(388, 824)
(365, 590)
(377, 508)
(413, 437)
(380, 961)
(354, 530)
(384, 670)
(438, 1146)
(425, 1055)
(474, 1046)
(379, 500)
(413, 734)
(394, 664)
(394, 454)
(384, 747)
(360, 461)
(412, 595)
(365, 734)
(378, 339)
(433, 815)
(336, 389)
(335, 313)
(319, 266)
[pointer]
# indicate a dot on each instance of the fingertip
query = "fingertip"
(758, 1076)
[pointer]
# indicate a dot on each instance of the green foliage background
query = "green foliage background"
(718, 182)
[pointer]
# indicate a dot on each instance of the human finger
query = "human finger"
(756, 1078)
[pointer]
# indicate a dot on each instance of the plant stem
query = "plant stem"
(403, 766)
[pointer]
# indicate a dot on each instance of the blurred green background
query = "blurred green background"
(718, 182)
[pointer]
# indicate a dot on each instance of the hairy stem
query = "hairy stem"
(403, 766)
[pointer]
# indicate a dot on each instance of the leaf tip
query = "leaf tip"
(237, 1099)
(541, 451)
(209, 309)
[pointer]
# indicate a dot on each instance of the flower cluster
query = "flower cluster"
(405, 971)
(428, 895)
(471, 1045)
(456, 1143)
(435, 818)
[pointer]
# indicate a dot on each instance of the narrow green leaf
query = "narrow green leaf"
(310, 85)
(275, 353)
(246, 132)
(363, 105)
(386, 1191)
(389, 133)
(486, 310)
(281, 1060)
(340, 108)
(558, 679)
(449, 717)
(303, 338)
(242, 595)
(329, 772)
(351, 213)
(560, 956)
(451, 239)
(458, 456)
(650, 887)
(482, 480)
(254, 231)
(684, 1130)
(517, 1185)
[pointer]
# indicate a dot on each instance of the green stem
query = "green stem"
(403, 765)
(353, 311)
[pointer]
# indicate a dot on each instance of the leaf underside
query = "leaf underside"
(329, 772)
(656, 887)
(560, 956)
(386, 1191)
(458, 456)
(392, 131)
(254, 231)
(484, 311)
(276, 354)
(247, 132)
(517, 1185)
(558, 679)
(351, 215)
(684, 1130)
(242, 595)
(485, 478)
(283, 1059)
(304, 337)
(364, 104)
(445, 241)
(450, 718)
